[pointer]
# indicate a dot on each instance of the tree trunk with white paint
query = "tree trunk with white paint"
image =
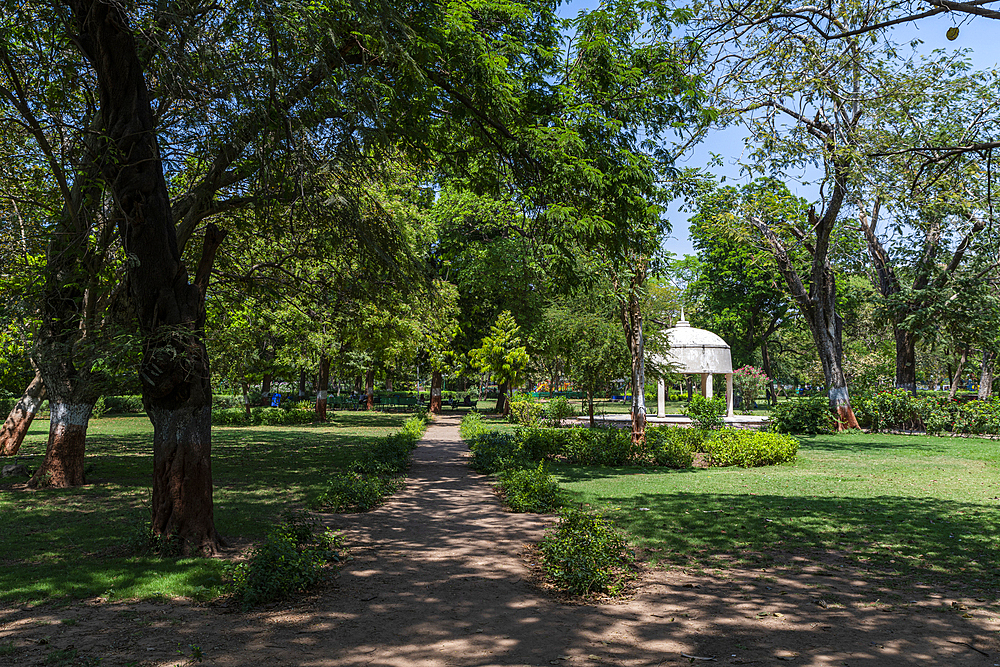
(437, 381)
(323, 387)
(64, 454)
(20, 418)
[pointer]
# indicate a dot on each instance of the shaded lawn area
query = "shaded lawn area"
(78, 543)
(904, 508)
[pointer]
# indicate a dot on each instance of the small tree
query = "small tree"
(503, 355)
(751, 382)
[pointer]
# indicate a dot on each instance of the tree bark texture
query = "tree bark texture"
(20, 418)
(437, 381)
(323, 387)
(630, 312)
(986, 375)
(958, 372)
(170, 310)
(64, 454)
(503, 402)
(906, 359)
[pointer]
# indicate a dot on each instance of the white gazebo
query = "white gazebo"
(696, 351)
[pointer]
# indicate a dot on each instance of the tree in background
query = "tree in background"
(503, 356)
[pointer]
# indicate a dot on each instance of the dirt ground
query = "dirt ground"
(438, 578)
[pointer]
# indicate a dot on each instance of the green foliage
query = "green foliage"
(494, 451)
(809, 414)
(128, 404)
(529, 489)
(100, 408)
(543, 443)
(888, 409)
(557, 410)
(600, 447)
(673, 447)
(526, 412)
(351, 491)
(472, 425)
(502, 353)
(751, 383)
(585, 554)
(706, 413)
(750, 449)
(374, 474)
(292, 558)
(263, 417)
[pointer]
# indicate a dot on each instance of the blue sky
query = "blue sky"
(977, 34)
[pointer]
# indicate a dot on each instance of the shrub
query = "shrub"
(673, 447)
(100, 408)
(706, 413)
(557, 410)
(526, 412)
(292, 558)
(600, 447)
(889, 409)
(494, 451)
(352, 491)
(124, 404)
(584, 553)
(750, 449)
(529, 489)
(472, 425)
(262, 416)
(810, 414)
(537, 444)
(937, 414)
(751, 383)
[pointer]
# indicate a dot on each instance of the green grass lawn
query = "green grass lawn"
(64, 544)
(903, 507)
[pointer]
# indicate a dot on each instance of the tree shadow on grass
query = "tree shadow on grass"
(893, 538)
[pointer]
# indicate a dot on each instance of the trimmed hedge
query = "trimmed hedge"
(810, 414)
(262, 417)
(750, 449)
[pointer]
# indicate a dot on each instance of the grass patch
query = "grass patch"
(902, 507)
(75, 543)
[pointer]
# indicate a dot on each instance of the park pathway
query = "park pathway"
(437, 579)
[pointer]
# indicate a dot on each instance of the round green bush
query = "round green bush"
(584, 554)
(750, 449)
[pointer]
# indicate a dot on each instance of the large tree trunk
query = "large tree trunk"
(302, 385)
(437, 381)
(323, 384)
(265, 386)
(986, 375)
(370, 389)
(169, 309)
(64, 454)
(20, 418)
(906, 359)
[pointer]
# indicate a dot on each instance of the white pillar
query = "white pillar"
(729, 395)
(704, 384)
(708, 385)
(661, 408)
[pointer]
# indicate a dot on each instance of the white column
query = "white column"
(661, 408)
(729, 395)
(704, 384)
(708, 385)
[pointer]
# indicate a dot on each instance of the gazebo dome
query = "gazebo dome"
(694, 350)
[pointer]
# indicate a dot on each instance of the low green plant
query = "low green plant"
(584, 554)
(100, 408)
(557, 410)
(494, 451)
(292, 558)
(351, 491)
(706, 413)
(124, 404)
(539, 444)
(529, 489)
(600, 447)
(807, 415)
(262, 417)
(526, 412)
(750, 449)
(472, 425)
(673, 447)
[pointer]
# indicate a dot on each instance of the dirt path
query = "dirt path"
(437, 579)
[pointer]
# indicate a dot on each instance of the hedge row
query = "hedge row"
(665, 446)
